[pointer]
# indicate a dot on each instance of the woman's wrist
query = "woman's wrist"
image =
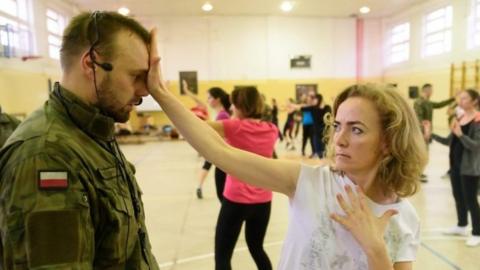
(377, 248)
(377, 256)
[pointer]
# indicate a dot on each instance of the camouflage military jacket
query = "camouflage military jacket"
(66, 200)
(424, 108)
(7, 125)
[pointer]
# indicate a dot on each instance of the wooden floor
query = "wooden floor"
(181, 227)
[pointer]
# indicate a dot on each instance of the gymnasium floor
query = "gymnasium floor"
(181, 227)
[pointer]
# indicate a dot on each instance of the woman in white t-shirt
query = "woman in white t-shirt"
(351, 214)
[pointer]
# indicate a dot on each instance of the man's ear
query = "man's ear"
(86, 64)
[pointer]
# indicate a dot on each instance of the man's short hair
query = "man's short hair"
(81, 33)
(425, 86)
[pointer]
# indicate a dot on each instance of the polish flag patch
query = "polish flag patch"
(53, 180)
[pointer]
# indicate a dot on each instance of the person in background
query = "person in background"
(341, 214)
(424, 107)
(244, 203)
(275, 117)
(319, 119)
(464, 142)
(317, 110)
(307, 121)
(219, 101)
(297, 117)
(8, 124)
(270, 115)
(289, 125)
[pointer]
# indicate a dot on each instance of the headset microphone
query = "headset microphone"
(139, 102)
(105, 66)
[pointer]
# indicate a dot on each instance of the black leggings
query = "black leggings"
(464, 190)
(229, 223)
(220, 177)
(307, 135)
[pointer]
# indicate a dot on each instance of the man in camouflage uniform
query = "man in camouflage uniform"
(68, 197)
(8, 124)
(424, 109)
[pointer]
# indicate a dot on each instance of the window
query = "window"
(55, 25)
(474, 25)
(15, 35)
(15, 8)
(437, 32)
(399, 43)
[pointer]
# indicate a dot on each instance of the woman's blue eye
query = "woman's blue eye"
(356, 130)
(336, 127)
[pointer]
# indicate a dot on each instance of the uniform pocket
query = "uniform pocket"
(118, 229)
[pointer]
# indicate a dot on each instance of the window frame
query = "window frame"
(394, 47)
(16, 32)
(444, 44)
(53, 48)
(473, 36)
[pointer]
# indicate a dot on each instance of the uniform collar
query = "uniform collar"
(423, 98)
(87, 117)
(3, 118)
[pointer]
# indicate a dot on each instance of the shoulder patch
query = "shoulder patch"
(50, 180)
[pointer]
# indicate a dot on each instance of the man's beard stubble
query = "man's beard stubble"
(107, 101)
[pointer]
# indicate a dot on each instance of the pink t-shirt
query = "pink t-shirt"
(253, 136)
(222, 115)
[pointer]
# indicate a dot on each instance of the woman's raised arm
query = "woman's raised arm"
(276, 175)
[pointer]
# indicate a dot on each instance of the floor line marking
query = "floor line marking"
(441, 257)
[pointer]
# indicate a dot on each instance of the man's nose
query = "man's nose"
(142, 90)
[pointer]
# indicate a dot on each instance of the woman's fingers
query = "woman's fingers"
(155, 72)
(388, 215)
(341, 220)
(351, 196)
(344, 205)
(362, 199)
(354, 199)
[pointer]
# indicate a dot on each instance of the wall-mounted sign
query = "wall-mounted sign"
(301, 61)
(413, 91)
(302, 90)
(191, 78)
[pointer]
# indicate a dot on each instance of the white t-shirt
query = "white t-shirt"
(314, 241)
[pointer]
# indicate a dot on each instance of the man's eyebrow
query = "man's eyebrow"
(139, 70)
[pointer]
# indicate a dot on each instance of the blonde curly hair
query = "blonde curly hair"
(400, 171)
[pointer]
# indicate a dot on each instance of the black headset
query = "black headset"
(105, 66)
(96, 15)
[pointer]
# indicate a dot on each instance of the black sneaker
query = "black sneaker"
(199, 193)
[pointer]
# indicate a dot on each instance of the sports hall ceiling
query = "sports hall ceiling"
(324, 8)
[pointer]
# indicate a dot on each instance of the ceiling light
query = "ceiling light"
(207, 7)
(364, 10)
(286, 6)
(124, 11)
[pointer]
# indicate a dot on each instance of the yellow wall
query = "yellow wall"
(281, 90)
(23, 92)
